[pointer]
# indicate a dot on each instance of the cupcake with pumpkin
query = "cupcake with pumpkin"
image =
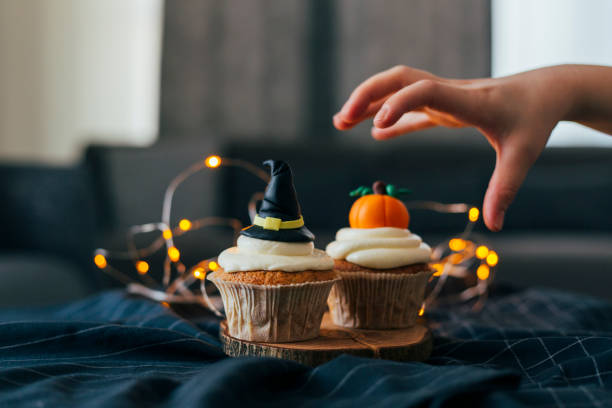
(274, 283)
(384, 267)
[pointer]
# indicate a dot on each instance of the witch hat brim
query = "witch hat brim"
(279, 218)
(301, 234)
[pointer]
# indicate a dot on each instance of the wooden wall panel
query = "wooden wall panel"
(446, 37)
(232, 67)
(264, 67)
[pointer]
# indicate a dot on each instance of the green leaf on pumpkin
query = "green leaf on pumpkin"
(360, 191)
(394, 191)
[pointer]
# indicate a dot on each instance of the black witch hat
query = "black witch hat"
(279, 218)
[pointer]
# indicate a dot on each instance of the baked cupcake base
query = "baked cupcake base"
(378, 299)
(273, 313)
(276, 277)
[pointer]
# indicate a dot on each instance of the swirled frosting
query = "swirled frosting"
(252, 254)
(379, 248)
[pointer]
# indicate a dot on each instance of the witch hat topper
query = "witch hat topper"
(279, 217)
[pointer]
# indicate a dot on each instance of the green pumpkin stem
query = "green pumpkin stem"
(379, 187)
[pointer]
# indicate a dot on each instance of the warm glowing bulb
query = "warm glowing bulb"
(456, 244)
(167, 234)
(422, 310)
(198, 273)
(439, 269)
(213, 161)
(100, 261)
(185, 224)
(174, 254)
(492, 258)
(165, 304)
(213, 266)
(482, 272)
(142, 267)
(473, 214)
(482, 252)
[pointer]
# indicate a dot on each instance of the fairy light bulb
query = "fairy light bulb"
(167, 234)
(185, 224)
(198, 273)
(213, 161)
(142, 267)
(473, 214)
(457, 244)
(482, 252)
(213, 266)
(492, 258)
(483, 272)
(174, 254)
(100, 261)
(422, 310)
(439, 269)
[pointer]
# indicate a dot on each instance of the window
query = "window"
(529, 34)
(75, 72)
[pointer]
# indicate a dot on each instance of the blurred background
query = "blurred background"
(102, 103)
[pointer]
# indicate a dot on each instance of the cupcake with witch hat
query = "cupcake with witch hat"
(274, 283)
(383, 266)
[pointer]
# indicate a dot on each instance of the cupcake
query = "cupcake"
(384, 268)
(274, 283)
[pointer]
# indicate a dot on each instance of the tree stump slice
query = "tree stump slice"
(411, 344)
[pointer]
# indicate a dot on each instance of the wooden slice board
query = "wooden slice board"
(411, 344)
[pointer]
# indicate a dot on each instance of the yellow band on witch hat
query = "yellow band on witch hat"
(275, 224)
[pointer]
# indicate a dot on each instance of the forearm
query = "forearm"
(591, 95)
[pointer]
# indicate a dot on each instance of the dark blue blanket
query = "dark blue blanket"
(534, 347)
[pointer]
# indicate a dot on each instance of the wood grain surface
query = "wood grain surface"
(411, 344)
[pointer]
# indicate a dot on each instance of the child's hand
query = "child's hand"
(516, 114)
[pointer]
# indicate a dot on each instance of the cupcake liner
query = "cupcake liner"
(273, 314)
(369, 300)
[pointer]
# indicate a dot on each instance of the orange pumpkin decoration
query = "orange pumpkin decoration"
(380, 209)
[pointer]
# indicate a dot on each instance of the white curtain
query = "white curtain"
(527, 34)
(73, 72)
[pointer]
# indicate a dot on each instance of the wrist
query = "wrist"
(576, 92)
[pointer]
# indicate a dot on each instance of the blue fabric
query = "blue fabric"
(534, 347)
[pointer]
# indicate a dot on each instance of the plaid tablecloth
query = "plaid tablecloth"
(533, 347)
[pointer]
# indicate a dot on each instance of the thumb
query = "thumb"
(510, 170)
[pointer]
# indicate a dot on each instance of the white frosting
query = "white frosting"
(252, 254)
(379, 248)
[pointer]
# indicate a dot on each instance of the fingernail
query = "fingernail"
(382, 114)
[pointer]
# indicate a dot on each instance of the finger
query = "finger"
(511, 168)
(444, 97)
(377, 87)
(341, 124)
(442, 119)
(409, 122)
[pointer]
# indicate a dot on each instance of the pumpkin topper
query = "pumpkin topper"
(379, 207)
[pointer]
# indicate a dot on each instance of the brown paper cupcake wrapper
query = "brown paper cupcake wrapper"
(381, 300)
(274, 314)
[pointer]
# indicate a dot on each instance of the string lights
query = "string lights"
(177, 278)
(460, 257)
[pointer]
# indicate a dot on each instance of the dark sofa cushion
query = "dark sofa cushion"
(37, 279)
